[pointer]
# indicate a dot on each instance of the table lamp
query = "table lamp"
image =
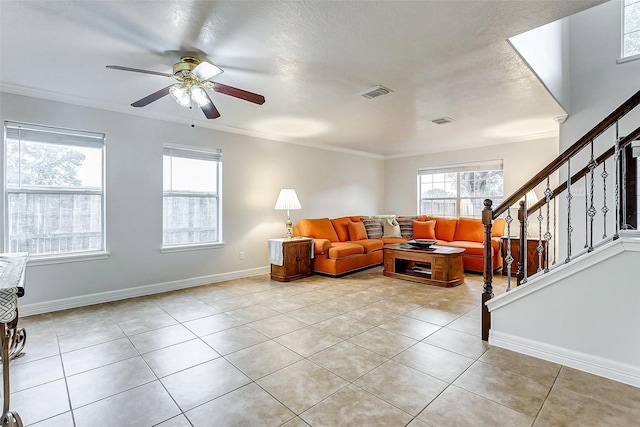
(287, 200)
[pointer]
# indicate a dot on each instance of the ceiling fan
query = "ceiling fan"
(193, 77)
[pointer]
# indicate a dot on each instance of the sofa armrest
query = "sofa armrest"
(321, 246)
(495, 244)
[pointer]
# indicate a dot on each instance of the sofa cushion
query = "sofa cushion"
(470, 229)
(424, 229)
(357, 231)
(373, 227)
(392, 240)
(470, 248)
(318, 228)
(370, 245)
(344, 249)
(406, 226)
(445, 227)
(341, 227)
(391, 228)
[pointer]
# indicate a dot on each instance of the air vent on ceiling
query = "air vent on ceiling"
(443, 120)
(376, 92)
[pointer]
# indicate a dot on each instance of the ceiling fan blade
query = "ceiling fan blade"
(137, 70)
(238, 93)
(153, 97)
(210, 110)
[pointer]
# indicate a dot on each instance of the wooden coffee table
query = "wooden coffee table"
(438, 265)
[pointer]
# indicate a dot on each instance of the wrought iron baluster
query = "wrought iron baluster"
(569, 197)
(616, 158)
(592, 210)
(586, 216)
(623, 158)
(548, 192)
(524, 241)
(509, 258)
(605, 209)
(540, 247)
(555, 229)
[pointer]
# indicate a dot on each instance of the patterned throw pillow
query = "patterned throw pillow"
(406, 226)
(373, 226)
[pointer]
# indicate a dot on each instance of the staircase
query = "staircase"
(582, 307)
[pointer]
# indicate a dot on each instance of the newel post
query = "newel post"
(487, 288)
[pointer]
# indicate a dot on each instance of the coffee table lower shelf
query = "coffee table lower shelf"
(439, 265)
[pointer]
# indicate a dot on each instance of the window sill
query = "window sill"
(628, 59)
(182, 248)
(64, 258)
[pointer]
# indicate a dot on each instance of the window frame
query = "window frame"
(56, 135)
(485, 166)
(204, 153)
(623, 34)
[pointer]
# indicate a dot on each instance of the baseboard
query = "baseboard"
(102, 297)
(621, 372)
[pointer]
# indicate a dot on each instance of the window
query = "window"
(459, 190)
(191, 197)
(54, 191)
(631, 28)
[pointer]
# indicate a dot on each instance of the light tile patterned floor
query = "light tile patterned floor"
(362, 350)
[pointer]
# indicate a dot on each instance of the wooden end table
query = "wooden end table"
(296, 259)
(438, 265)
(532, 255)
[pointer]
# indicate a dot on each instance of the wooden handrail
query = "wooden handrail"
(585, 170)
(489, 214)
(618, 113)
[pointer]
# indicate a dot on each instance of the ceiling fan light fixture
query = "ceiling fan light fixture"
(180, 94)
(199, 96)
(206, 70)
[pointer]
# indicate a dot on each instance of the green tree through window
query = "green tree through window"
(54, 190)
(43, 165)
(459, 190)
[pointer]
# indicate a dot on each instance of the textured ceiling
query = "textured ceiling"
(310, 59)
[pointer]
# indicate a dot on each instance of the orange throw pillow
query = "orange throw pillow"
(445, 227)
(424, 229)
(357, 231)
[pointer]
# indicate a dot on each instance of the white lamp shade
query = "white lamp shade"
(288, 199)
(532, 198)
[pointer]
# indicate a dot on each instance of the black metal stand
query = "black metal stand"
(9, 418)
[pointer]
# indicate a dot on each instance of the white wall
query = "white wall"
(328, 184)
(521, 161)
(590, 314)
(542, 49)
(598, 85)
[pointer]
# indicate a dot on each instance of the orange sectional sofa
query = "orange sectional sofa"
(346, 244)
